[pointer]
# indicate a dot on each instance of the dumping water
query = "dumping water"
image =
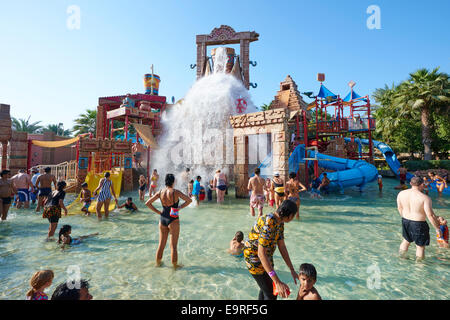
(196, 132)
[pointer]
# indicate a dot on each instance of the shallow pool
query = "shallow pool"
(352, 240)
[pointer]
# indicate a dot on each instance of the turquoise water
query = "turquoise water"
(344, 236)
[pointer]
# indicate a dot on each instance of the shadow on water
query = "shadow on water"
(333, 220)
(216, 270)
(334, 214)
(117, 242)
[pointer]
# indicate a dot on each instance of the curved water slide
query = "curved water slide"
(348, 173)
(393, 162)
(92, 180)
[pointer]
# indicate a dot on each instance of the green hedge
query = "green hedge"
(414, 165)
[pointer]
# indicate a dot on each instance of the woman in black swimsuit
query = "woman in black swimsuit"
(142, 187)
(6, 190)
(169, 222)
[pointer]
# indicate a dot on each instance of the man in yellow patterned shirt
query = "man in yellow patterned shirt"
(263, 239)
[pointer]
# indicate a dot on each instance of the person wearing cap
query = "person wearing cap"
(278, 189)
(6, 191)
(22, 182)
(34, 190)
(380, 182)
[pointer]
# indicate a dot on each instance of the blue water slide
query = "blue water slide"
(393, 162)
(348, 173)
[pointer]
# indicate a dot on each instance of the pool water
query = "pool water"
(352, 240)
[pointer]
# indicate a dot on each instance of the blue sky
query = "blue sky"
(54, 74)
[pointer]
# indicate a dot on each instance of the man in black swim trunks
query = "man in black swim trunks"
(415, 207)
(44, 183)
(6, 190)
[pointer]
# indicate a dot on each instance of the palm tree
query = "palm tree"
(86, 123)
(58, 129)
(25, 125)
(385, 114)
(265, 107)
(424, 93)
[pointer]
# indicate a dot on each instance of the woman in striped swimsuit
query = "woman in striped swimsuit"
(106, 188)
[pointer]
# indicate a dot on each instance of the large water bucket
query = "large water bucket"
(230, 54)
(151, 84)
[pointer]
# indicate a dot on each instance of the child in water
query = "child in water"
(65, 238)
(443, 239)
(190, 188)
(85, 197)
(307, 277)
(209, 190)
(129, 205)
(40, 281)
(237, 244)
(380, 182)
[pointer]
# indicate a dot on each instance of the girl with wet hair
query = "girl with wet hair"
(65, 238)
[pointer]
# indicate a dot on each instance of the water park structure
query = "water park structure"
(330, 134)
(111, 150)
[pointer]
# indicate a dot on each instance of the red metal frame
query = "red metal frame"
(113, 112)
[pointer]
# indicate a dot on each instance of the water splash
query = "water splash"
(196, 132)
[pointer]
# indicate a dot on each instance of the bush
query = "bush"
(414, 165)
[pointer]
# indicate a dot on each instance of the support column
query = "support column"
(18, 152)
(99, 124)
(241, 166)
(82, 168)
(127, 177)
(4, 155)
(245, 61)
(126, 128)
(281, 154)
(201, 58)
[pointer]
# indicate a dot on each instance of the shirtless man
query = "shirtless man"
(292, 191)
(325, 182)
(44, 183)
(414, 207)
(22, 183)
(256, 186)
(6, 190)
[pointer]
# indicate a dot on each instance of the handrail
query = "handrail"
(66, 170)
